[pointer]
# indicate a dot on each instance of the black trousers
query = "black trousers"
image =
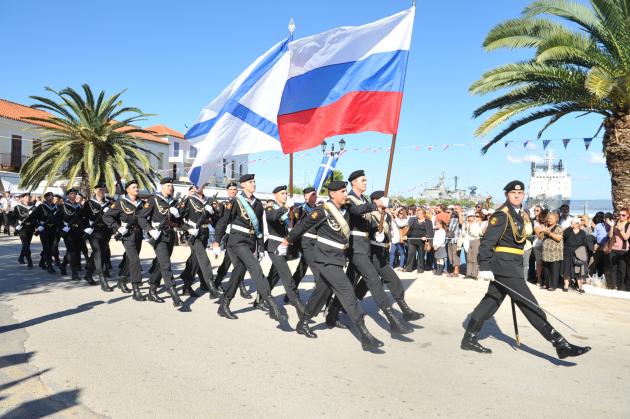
(495, 295)
(73, 244)
(162, 263)
(415, 253)
(386, 272)
(284, 273)
(130, 265)
(96, 262)
(223, 269)
(361, 269)
(332, 279)
(618, 269)
(551, 273)
(26, 236)
(300, 271)
(6, 221)
(242, 256)
(47, 239)
(198, 262)
(55, 246)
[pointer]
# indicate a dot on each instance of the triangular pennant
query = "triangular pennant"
(417, 148)
(525, 143)
(430, 147)
(446, 146)
(566, 142)
(545, 144)
(506, 144)
(587, 142)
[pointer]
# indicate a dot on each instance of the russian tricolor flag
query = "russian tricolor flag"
(346, 80)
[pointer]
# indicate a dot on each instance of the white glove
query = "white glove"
(122, 231)
(155, 234)
(216, 251)
(385, 201)
(174, 211)
(18, 228)
(88, 231)
(486, 275)
(66, 229)
(290, 202)
(40, 228)
(209, 209)
(105, 209)
(379, 237)
(260, 256)
(282, 250)
(193, 231)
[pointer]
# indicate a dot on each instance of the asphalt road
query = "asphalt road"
(69, 350)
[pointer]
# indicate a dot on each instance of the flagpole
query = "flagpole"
(291, 28)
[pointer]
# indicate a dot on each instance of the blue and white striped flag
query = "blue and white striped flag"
(243, 118)
(328, 164)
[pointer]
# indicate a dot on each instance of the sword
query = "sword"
(533, 303)
(518, 340)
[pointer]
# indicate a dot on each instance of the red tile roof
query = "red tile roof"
(162, 129)
(17, 112)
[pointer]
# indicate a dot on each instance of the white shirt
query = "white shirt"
(439, 238)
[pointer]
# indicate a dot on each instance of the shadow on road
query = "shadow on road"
(45, 406)
(52, 316)
(14, 359)
(28, 377)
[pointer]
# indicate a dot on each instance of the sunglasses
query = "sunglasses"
(623, 215)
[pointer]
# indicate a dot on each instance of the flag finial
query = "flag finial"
(291, 27)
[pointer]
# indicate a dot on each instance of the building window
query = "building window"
(192, 152)
(233, 170)
(175, 149)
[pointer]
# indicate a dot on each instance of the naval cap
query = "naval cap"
(336, 185)
(377, 195)
(308, 190)
(279, 188)
(355, 174)
(515, 185)
(246, 177)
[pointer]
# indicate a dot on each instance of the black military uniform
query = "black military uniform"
(71, 230)
(158, 218)
(277, 218)
(122, 217)
(379, 249)
(306, 243)
(57, 238)
(360, 260)
(26, 222)
(98, 234)
(46, 215)
(245, 217)
(501, 258)
(331, 226)
(197, 213)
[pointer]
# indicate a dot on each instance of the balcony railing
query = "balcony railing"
(12, 163)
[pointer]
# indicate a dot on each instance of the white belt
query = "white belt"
(155, 224)
(309, 235)
(242, 229)
(375, 243)
(275, 238)
(332, 243)
(359, 233)
(227, 229)
(191, 223)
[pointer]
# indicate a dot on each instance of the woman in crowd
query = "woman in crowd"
(420, 232)
(471, 235)
(439, 246)
(539, 222)
(600, 233)
(618, 236)
(402, 223)
(552, 251)
(572, 238)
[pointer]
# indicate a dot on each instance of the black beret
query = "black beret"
(80, 194)
(166, 180)
(58, 196)
(131, 182)
(355, 174)
(246, 177)
(48, 194)
(377, 195)
(336, 185)
(232, 184)
(100, 186)
(279, 188)
(308, 190)
(515, 185)
(25, 194)
(72, 190)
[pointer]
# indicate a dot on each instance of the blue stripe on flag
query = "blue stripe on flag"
(194, 175)
(231, 105)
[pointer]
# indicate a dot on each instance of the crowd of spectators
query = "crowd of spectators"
(562, 250)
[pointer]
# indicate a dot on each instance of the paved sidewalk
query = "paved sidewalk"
(69, 350)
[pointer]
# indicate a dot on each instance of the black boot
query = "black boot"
(122, 285)
(260, 304)
(368, 341)
(57, 262)
(187, 290)
(408, 313)
(564, 349)
(137, 295)
(396, 325)
(42, 264)
(302, 328)
(21, 259)
(50, 269)
(104, 285)
(470, 342)
(208, 285)
(89, 279)
(332, 316)
(299, 307)
(224, 309)
(274, 310)
(440, 270)
(153, 295)
(29, 261)
(75, 276)
(62, 270)
(177, 302)
(244, 293)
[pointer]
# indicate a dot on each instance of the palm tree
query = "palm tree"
(83, 138)
(581, 64)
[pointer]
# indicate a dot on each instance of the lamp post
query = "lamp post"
(342, 147)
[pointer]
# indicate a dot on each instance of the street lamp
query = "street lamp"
(342, 147)
(324, 145)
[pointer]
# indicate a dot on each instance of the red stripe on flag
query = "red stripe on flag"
(354, 112)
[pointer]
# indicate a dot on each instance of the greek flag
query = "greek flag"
(328, 164)
(243, 118)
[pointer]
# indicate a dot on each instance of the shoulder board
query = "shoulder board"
(228, 205)
(315, 215)
(505, 210)
(147, 205)
(112, 205)
(269, 209)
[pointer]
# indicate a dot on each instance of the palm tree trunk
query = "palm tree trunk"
(617, 152)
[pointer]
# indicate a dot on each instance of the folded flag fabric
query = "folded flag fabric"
(243, 118)
(326, 168)
(346, 80)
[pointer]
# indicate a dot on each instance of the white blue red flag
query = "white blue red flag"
(346, 80)
(326, 168)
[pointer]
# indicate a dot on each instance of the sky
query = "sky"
(175, 57)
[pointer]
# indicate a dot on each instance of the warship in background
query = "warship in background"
(549, 183)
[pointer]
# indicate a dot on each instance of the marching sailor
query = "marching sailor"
(24, 215)
(98, 234)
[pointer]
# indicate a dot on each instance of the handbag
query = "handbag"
(427, 246)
